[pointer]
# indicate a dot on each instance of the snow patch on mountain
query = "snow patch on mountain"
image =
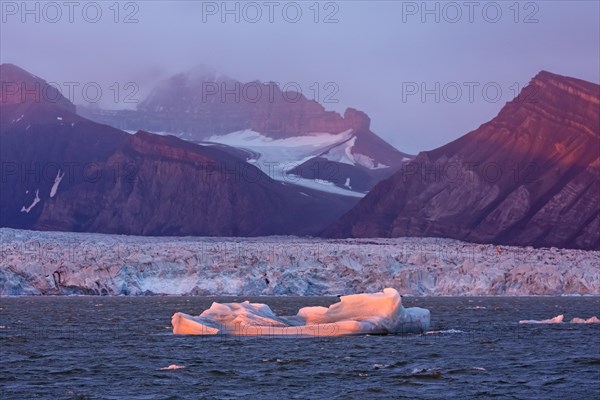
(343, 153)
(57, 181)
(33, 204)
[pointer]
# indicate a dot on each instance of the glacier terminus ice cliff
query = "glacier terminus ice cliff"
(59, 263)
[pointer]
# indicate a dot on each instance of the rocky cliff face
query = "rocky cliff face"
(63, 172)
(530, 176)
(198, 106)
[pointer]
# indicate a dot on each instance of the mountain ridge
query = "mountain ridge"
(63, 172)
(529, 176)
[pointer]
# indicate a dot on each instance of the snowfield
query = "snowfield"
(275, 157)
(38, 263)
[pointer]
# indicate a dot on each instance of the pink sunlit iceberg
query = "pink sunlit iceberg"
(376, 313)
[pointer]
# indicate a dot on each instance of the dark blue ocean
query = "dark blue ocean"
(116, 347)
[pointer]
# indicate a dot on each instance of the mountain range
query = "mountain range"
(63, 172)
(530, 176)
(313, 147)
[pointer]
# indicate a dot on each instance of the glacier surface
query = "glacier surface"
(52, 263)
(275, 157)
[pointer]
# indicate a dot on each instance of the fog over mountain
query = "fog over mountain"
(367, 55)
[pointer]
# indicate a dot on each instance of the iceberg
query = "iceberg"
(556, 320)
(367, 313)
(559, 320)
(591, 320)
(172, 367)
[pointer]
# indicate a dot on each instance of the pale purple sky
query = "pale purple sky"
(375, 53)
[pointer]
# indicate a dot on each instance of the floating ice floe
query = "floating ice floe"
(556, 320)
(591, 320)
(172, 367)
(444, 332)
(377, 313)
(559, 319)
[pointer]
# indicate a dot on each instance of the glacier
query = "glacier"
(62, 263)
(365, 313)
(276, 157)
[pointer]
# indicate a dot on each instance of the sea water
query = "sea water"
(123, 348)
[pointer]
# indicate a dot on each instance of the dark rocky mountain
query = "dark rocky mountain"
(530, 176)
(203, 106)
(198, 105)
(61, 171)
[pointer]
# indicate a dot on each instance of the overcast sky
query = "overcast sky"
(375, 56)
